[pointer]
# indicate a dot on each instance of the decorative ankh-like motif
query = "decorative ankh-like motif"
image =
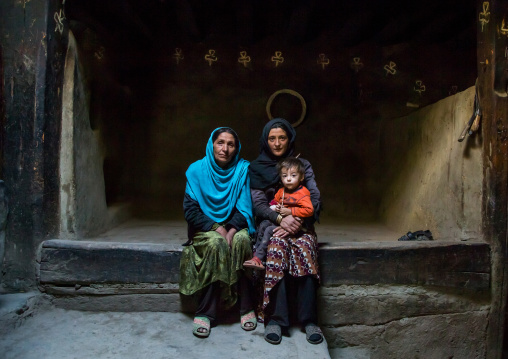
(484, 17)
(178, 55)
(59, 18)
(503, 30)
(323, 61)
(278, 59)
(210, 57)
(390, 68)
(99, 54)
(356, 65)
(419, 87)
(244, 59)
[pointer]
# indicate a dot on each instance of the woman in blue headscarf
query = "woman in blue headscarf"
(218, 210)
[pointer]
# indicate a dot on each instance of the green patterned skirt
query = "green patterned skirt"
(209, 259)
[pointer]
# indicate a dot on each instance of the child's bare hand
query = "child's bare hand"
(285, 211)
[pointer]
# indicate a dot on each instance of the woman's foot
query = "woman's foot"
(273, 333)
(313, 333)
(248, 321)
(201, 327)
(254, 263)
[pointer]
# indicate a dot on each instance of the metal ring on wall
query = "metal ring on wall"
(291, 92)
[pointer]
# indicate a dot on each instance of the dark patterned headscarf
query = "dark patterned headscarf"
(263, 172)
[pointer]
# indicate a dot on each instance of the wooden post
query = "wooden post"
(32, 48)
(492, 69)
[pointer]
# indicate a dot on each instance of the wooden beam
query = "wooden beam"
(491, 54)
(455, 265)
(452, 265)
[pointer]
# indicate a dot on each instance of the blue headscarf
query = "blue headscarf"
(220, 190)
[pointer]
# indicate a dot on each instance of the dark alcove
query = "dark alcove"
(387, 87)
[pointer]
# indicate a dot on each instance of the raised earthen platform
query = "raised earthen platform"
(379, 296)
(148, 252)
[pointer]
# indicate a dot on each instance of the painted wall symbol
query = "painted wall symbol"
(178, 55)
(503, 30)
(59, 18)
(210, 57)
(244, 59)
(323, 61)
(99, 54)
(484, 16)
(277, 58)
(390, 68)
(356, 65)
(419, 87)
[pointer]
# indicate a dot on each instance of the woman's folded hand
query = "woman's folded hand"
(222, 231)
(229, 236)
(280, 232)
(291, 224)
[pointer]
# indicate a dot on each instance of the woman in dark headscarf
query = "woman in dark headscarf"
(218, 210)
(290, 260)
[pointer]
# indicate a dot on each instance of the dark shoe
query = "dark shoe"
(314, 334)
(273, 333)
(417, 236)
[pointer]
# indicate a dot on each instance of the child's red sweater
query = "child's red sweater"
(298, 201)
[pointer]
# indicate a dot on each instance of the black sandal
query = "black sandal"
(313, 333)
(273, 333)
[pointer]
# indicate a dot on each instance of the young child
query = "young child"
(292, 199)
